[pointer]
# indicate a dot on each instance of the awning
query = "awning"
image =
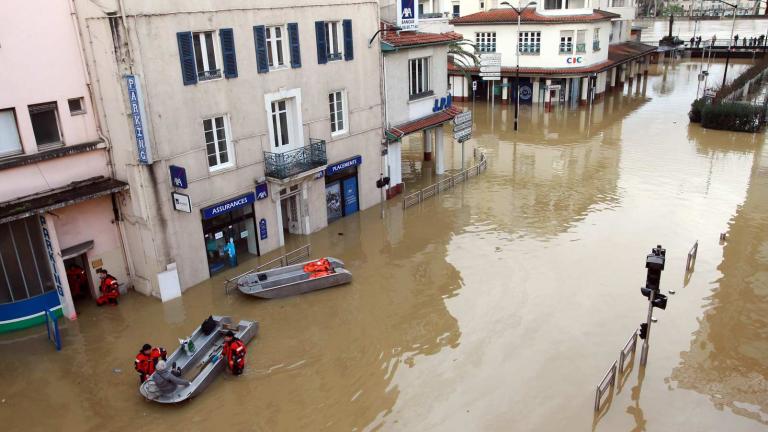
(397, 132)
(72, 193)
(76, 250)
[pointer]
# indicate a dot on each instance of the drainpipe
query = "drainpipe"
(100, 131)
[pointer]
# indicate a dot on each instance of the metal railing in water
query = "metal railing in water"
(445, 184)
(292, 257)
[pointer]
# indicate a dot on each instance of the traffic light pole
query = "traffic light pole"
(646, 341)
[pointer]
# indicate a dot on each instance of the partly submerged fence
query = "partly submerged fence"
(292, 257)
(446, 183)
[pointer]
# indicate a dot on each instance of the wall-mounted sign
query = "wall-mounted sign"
(138, 116)
(228, 206)
(526, 92)
(333, 169)
(262, 191)
(442, 103)
(474, 85)
(181, 202)
(319, 175)
(574, 60)
(263, 229)
(52, 260)
(407, 17)
(178, 177)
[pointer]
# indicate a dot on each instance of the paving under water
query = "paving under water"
(496, 306)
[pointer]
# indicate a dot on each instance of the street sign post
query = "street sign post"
(490, 70)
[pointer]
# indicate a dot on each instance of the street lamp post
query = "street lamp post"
(517, 67)
(730, 41)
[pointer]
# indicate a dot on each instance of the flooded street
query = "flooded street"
(496, 306)
(653, 30)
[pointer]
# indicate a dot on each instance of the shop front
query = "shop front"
(230, 232)
(341, 189)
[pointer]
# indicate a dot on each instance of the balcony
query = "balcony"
(291, 163)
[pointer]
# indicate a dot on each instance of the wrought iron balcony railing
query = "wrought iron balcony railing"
(288, 164)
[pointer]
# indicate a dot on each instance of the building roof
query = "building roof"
(407, 39)
(617, 54)
(424, 122)
(530, 16)
(72, 193)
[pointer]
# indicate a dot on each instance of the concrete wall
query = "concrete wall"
(157, 234)
(550, 57)
(399, 108)
(42, 63)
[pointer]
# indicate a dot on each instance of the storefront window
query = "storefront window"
(230, 232)
(24, 268)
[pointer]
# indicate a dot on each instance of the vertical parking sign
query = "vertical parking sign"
(138, 116)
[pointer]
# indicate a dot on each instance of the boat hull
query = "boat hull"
(292, 280)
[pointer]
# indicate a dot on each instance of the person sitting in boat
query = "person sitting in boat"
(108, 288)
(234, 351)
(165, 380)
(147, 359)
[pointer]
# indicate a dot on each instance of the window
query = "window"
(334, 47)
(276, 47)
(530, 42)
(45, 124)
(596, 40)
(419, 77)
(482, 5)
(217, 143)
(205, 56)
(9, 133)
(485, 42)
(456, 9)
(76, 106)
(553, 4)
(581, 41)
(336, 103)
(566, 42)
(280, 127)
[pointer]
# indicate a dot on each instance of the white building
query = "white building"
(569, 51)
(234, 122)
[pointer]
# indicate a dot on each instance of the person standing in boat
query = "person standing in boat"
(165, 380)
(234, 351)
(147, 359)
(108, 288)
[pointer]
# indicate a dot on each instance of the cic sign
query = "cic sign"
(575, 60)
(138, 117)
(407, 16)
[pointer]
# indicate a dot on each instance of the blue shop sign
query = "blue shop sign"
(333, 169)
(263, 229)
(228, 206)
(262, 191)
(178, 177)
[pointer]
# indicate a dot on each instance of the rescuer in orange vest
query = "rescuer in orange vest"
(108, 288)
(234, 351)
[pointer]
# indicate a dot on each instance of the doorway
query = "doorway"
(80, 284)
(290, 210)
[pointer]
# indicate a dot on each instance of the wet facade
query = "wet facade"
(58, 199)
(245, 128)
(497, 306)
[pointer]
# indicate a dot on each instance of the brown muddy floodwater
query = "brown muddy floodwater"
(496, 307)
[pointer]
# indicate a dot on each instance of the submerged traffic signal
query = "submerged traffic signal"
(643, 330)
(659, 299)
(654, 262)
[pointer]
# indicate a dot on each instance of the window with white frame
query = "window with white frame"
(276, 45)
(281, 135)
(566, 42)
(530, 42)
(485, 42)
(336, 102)
(581, 41)
(333, 36)
(218, 143)
(418, 76)
(205, 55)
(596, 40)
(10, 143)
(45, 124)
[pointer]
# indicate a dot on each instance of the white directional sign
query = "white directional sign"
(462, 135)
(462, 118)
(496, 69)
(462, 126)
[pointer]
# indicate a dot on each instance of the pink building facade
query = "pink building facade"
(59, 203)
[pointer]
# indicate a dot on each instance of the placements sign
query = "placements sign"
(490, 66)
(407, 18)
(462, 126)
(138, 116)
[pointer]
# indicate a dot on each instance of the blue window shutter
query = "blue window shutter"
(322, 50)
(293, 38)
(349, 49)
(187, 58)
(260, 38)
(228, 52)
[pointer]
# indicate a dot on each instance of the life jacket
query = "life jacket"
(145, 364)
(234, 351)
(321, 265)
(318, 274)
(109, 287)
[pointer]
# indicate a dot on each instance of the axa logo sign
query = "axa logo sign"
(575, 60)
(406, 10)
